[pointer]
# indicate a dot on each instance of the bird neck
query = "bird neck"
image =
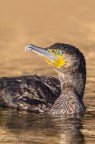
(75, 80)
(70, 99)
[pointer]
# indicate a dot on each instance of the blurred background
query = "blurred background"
(43, 23)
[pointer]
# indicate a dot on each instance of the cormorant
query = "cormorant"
(41, 94)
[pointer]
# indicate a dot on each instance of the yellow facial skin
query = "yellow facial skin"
(58, 62)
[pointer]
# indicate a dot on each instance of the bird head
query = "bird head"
(62, 57)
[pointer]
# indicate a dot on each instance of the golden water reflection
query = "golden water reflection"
(43, 23)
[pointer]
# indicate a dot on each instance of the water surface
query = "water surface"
(43, 23)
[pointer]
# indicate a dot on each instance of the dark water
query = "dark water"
(29, 128)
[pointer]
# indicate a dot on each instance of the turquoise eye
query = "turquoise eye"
(59, 53)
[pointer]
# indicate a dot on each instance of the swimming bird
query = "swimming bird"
(41, 94)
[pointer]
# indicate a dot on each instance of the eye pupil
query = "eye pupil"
(59, 52)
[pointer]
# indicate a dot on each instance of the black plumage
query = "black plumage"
(31, 93)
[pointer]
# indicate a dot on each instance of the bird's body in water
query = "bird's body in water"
(41, 94)
(31, 93)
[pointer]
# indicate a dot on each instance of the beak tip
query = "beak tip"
(27, 48)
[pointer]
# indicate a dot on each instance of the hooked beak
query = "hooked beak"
(41, 51)
(49, 57)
